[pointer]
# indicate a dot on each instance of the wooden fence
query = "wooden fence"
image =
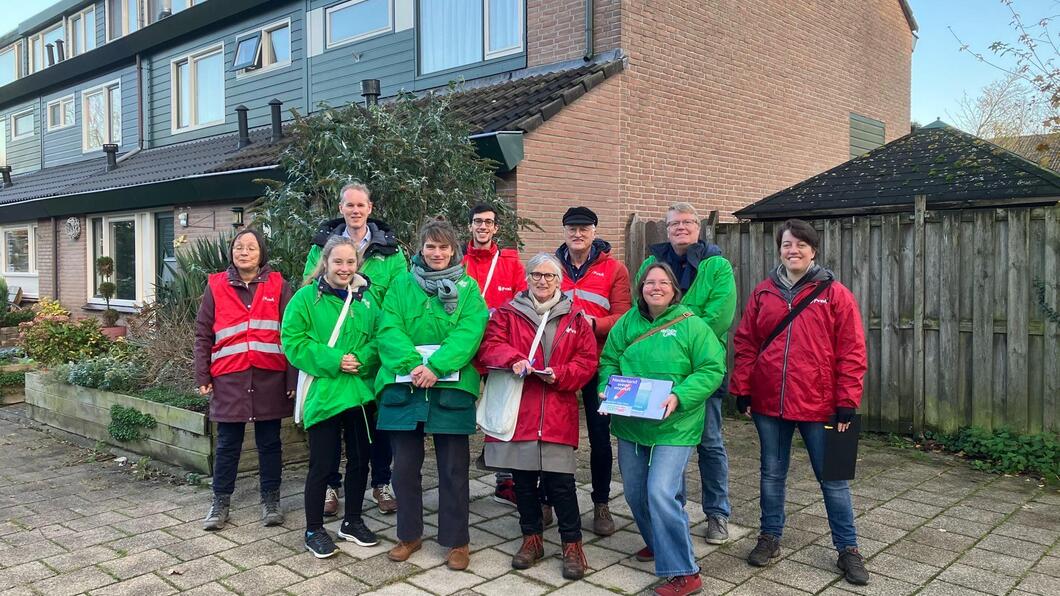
(949, 300)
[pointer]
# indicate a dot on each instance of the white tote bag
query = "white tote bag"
(305, 379)
(498, 410)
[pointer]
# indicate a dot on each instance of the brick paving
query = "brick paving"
(928, 524)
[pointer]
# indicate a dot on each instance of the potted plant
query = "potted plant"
(105, 269)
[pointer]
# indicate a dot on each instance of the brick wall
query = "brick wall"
(205, 221)
(44, 257)
(556, 29)
(72, 269)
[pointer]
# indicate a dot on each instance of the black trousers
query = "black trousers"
(561, 496)
(230, 447)
(351, 426)
(454, 457)
(600, 456)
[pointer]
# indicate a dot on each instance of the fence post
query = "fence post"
(708, 231)
(634, 242)
(920, 206)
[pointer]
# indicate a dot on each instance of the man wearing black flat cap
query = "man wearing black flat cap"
(599, 285)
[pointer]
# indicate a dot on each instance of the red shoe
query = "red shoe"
(505, 493)
(644, 555)
(681, 585)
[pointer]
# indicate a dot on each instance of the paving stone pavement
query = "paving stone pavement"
(928, 524)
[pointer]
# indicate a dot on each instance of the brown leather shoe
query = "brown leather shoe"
(458, 558)
(603, 523)
(331, 502)
(403, 550)
(574, 562)
(532, 551)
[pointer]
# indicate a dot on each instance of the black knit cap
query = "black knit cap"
(580, 216)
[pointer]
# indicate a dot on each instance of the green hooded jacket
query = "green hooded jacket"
(307, 325)
(382, 261)
(712, 296)
(413, 318)
(687, 354)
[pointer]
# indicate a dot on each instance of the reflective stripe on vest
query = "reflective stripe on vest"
(244, 347)
(229, 332)
(264, 324)
(242, 341)
(593, 297)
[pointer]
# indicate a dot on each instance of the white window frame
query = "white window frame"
(33, 129)
(3, 141)
(71, 51)
(330, 43)
(486, 54)
(17, 49)
(140, 13)
(61, 102)
(30, 230)
(174, 91)
(145, 263)
(104, 88)
(39, 38)
(265, 34)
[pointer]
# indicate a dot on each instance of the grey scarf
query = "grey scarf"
(440, 283)
(542, 307)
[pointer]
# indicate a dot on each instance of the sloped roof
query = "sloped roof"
(1043, 150)
(952, 168)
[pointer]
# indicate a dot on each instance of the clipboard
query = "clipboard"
(841, 450)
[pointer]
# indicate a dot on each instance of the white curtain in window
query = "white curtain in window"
(505, 25)
(450, 33)
(210, 88)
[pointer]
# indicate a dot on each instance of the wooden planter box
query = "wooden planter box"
(14, 394)
(181, 437)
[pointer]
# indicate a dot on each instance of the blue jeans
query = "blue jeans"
(653, 479)
(775, 436)
(714, 462)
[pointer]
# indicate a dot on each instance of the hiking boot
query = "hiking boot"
(546, 515)
(681, 585)
(356, 532)
(271, 514)
(383, 495)
(505, 493)
(320, 544)
(217, 517)
(852, 564)
(331, 502)
(644, 555)
(458, 558)
(717, 529)
(532, 550)
(768, 548)
(574, 563)
(603, 523)
(403, 550)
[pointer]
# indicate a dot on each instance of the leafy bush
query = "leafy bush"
(1007, 452)
(5, 299)
(53, 338)
(176, 398)
(12, 379)
(107, 373)
(127, 424)
(15, 317)
(12, 355)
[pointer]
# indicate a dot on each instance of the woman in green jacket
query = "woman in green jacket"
(663, 340)
(432, 324)
(340, 400)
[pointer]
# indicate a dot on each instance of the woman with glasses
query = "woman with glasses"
(662, 341)
(543, 338)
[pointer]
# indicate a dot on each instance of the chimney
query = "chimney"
(5, 171)
(51, 54)
(370, 92)
(111, 150)
(277, 127)
(244, 133)
(60, 52)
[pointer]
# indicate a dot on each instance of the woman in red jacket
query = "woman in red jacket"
(805, 374)
(546, 432)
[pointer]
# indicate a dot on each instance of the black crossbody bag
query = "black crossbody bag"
(794, 312)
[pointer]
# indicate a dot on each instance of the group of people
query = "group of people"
(372, 356)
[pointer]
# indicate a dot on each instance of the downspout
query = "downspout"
(55, 258)
(139, 111)
(588, 30)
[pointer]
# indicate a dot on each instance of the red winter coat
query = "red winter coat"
(509, 277)
(601, 289)
(814, 366)
(547, 412)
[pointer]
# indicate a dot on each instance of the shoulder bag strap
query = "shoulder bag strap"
(652, 332)
(537, 336)
(794, 312)
(489, 276)
(342, 318)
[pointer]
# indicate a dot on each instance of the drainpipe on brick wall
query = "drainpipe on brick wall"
(588, 30)
(55, 258)
(139, 111)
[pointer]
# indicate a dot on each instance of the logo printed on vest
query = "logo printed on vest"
(504, 288)
(669, 332)
(820, 301)
(600, 273)
(268, 299)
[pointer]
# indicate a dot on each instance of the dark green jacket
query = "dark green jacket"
(712, 296)
(382, 261)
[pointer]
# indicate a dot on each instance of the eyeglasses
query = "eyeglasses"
(536, 276)
(687, 223)
(660, 284)
(483, 222)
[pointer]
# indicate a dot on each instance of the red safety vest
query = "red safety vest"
(242, 338)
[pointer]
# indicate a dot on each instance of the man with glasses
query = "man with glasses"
(500, 276)
(708, 287)
(599, 285)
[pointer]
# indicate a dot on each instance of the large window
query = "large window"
(198, 83)
(459, 32)
(357, 19)
(81, 32)
(101, 112)
(16, 250)
(61, 113)
(22, 125)
(124, 17)
(269, 47)
(38, 55)
(115, 237)
(11, 63)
